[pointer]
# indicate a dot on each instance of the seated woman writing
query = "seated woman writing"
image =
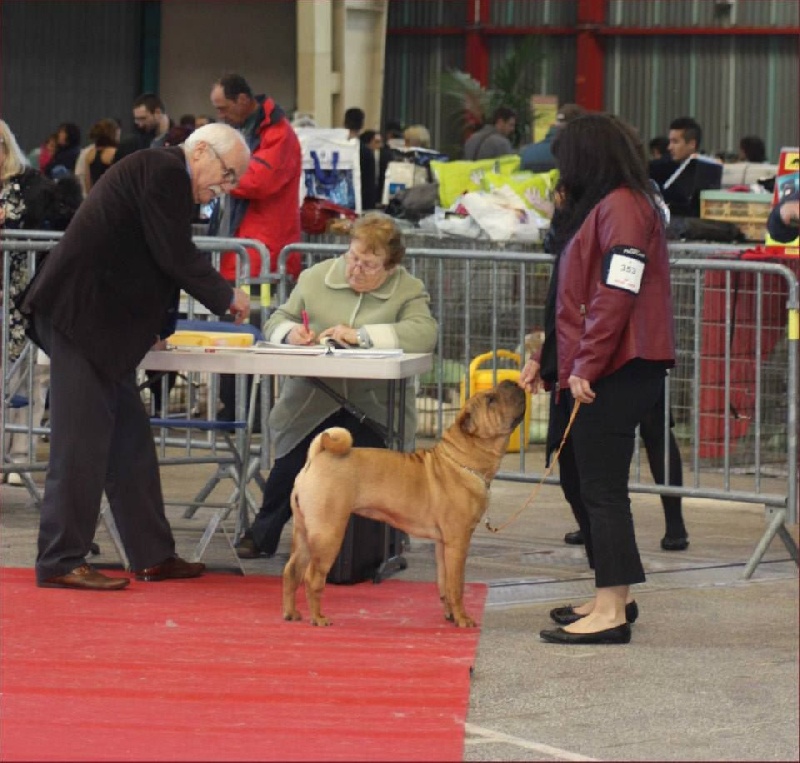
(363, 298)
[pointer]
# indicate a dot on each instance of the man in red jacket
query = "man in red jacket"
(266, 203)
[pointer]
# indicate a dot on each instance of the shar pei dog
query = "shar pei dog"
(440, 493)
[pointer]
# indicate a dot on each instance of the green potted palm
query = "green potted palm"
(469, 105)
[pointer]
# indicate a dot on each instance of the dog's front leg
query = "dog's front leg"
(441, 581)
(455, 559)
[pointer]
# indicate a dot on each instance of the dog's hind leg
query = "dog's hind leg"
(441, 581)
(323, 548)
(295, 569)
(315, 586)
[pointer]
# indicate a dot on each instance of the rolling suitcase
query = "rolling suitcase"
(363, 551)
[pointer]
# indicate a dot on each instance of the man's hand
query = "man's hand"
(529, 378)
(581, 389)
(790, 212)
(240, 307)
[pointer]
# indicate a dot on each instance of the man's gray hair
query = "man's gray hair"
(217, 134)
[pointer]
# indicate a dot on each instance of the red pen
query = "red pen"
(304, 314)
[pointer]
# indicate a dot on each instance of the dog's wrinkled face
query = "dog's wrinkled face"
(495, 412)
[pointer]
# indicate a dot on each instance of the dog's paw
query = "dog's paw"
(292, 616)
(464, 622)
(449, 617)
(321, 620)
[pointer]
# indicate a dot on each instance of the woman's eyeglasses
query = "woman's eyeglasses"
(228, 173)
(366, 267)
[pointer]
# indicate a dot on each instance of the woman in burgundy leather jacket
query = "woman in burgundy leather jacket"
(610, 344)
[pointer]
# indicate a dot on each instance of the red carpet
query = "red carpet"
(207, 670)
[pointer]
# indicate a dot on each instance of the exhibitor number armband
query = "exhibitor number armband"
(623, 268)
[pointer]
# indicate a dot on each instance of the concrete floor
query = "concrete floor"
(711, 672)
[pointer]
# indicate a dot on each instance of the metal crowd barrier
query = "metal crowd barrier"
(733, 391)
(190, 447)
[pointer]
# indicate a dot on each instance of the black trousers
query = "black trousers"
(100, 440)
(595, 466)
(651, 430)
(276, 510)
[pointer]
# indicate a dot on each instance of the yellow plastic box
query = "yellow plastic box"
(481, 380)
(210, 339)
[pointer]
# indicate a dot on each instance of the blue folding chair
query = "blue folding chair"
(238, 465)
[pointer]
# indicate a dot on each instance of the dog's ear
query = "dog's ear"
(466, 422)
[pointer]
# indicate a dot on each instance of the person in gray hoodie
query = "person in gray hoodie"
(493, 139)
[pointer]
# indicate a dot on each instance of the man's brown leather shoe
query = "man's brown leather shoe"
(171, 569)
(86, 578)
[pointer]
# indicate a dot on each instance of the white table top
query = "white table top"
(285, 364)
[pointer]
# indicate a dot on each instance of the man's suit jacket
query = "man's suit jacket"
(110, 281)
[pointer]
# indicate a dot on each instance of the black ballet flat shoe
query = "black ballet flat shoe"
(574, 538)
(674, 544)
(621, 634)
(567, 615)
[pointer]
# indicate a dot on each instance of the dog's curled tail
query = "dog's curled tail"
(336, 440)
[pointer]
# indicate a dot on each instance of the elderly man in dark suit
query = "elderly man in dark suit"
(102, 298)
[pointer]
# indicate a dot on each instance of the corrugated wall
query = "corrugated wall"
(733, 85)
(61, 59)
(702, 13)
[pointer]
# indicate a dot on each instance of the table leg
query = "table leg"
(396, 563)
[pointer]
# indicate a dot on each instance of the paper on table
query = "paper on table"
(289, 349)
(318, 349)
(271, 348)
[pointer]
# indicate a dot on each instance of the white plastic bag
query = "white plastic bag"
(331, 166)
(492, 215)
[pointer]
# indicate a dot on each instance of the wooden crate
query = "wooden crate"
(748, 211)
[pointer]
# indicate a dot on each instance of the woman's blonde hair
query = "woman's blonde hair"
(379, 233)
(417, 136)
(14, 161)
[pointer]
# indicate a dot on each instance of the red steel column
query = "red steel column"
(590, 68)
(477, 53)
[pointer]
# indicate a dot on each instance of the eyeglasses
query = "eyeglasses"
(228, 173)
(366, 267)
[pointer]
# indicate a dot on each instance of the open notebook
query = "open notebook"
(271, 348)
(326, 349)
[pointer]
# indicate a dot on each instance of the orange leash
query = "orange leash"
(547, 473)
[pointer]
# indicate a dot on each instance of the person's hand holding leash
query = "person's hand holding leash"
(529, 378)
(581, 389)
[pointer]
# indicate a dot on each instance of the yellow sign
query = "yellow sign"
(544, 109)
